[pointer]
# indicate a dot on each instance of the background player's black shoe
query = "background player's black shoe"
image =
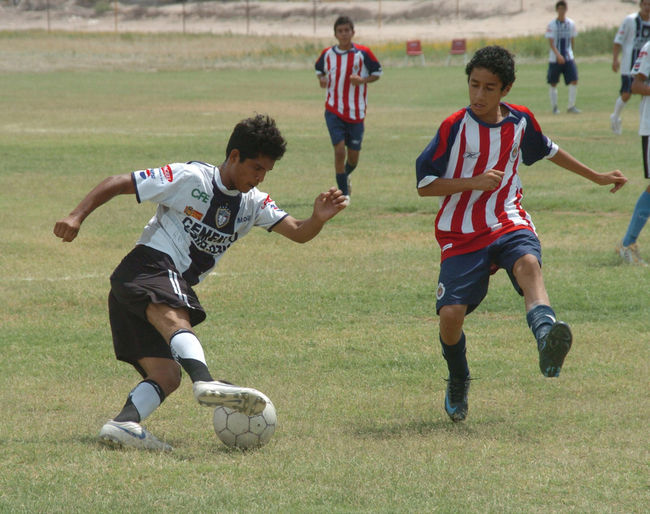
(553, 348)
(456, 398)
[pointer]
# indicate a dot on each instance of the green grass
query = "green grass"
(341, 333)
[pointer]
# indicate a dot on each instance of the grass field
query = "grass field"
(341, 333)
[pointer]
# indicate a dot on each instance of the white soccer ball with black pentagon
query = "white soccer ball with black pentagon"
(237, 430)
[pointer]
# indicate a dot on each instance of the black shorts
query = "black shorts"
(146, 276)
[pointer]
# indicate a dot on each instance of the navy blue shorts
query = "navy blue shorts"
(340, 130)
(464, 278)
(626, 84)
(569, 70)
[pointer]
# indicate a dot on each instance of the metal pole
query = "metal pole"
(115, 13)
(183, 15)
(457, 8)
(248, 17)
(314, 14)
(48, 16)
(379, 14)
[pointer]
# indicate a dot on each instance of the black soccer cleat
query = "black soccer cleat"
(456, 399)
(553, 348)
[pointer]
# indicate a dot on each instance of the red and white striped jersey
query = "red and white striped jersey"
(465, 147)
(348, 102)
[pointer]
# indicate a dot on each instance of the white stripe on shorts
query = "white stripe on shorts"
(173, 278)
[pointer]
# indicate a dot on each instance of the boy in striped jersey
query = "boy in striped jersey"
(345, 70)
(561, 33)
(202, 211)
(633, 33)
(481, 226)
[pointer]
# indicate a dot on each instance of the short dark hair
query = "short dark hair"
(561, 3)
(495, 59)
(256, 136)
(343, 20)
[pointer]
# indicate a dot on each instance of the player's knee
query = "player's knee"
(526, 265)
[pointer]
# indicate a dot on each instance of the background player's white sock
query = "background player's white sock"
(553, 94)
(188, 352)
(573, 93)
(618, 107)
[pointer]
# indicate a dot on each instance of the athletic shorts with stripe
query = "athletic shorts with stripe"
(146, 276)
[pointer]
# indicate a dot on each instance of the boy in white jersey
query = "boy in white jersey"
(481, 226)
(630, 38)
(628, 248)
(561, 34)
(345, 70)
(202, 210)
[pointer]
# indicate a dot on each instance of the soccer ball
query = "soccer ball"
(237, 430)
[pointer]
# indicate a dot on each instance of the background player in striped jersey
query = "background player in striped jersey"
(561, 33)
(628, 248)
(345, 70)
(472, 164)
(202, 210)
(630, 38)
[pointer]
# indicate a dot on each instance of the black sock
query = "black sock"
(349, 168)
(147, 399)
(342, 183)
(196, 369)
(540, 320)
(456, 358)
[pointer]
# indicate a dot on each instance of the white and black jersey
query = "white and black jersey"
(198, 218)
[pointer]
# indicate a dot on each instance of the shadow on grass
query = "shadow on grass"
(413, 427)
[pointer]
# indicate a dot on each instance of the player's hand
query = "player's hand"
(322, 79)
(488, 181)
(356, 80)
(615, 66)
(67, 228)
(329, 204)
(613, 177)
(560, 59)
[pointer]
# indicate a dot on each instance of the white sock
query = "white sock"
(573, 93)
(185, 345)
(618, 107)
(145, 399)
(553, 94)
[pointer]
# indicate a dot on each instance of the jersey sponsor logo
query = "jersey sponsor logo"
(243, 219)
(200, 195)
(223, 216)
(471, 155)
(268, 201)
(167, 173)
(191, 211)
(208, 239)
(145, 174)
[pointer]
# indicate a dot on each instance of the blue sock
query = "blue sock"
(456, 358)
(342, 183)
(540, 320)
(638, 220)
(349, 168)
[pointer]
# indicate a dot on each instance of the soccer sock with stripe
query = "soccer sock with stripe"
(142, 401)
(342, 183)
(540, 320)
(456, 358)
(573, 94)
(638, 220)
(188, 352)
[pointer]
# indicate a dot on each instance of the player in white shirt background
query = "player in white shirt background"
(633, 33)
(202, 210)
(561, 33)
(628, 248)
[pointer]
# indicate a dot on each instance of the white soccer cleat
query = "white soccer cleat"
(242, 399)
(346, 202)
(616, 124)
(129, 434)
(630, 254)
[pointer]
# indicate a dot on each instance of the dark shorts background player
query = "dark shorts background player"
(633, 33)
(345, 70)
(472, 165)
(628, 248)
(561, 34)
(202, 210)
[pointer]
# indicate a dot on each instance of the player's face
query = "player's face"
(344, 34)
(245, 175)
(485, 94)
(645, 8)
